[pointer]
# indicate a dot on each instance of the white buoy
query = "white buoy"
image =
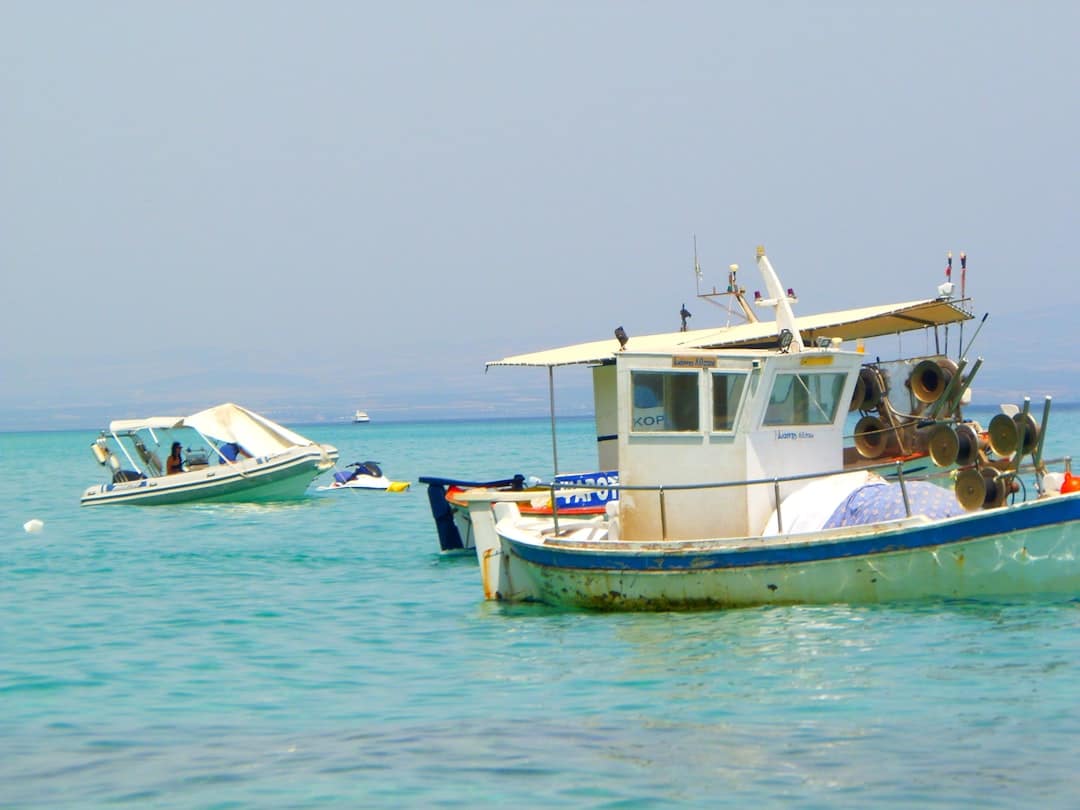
(34, 525)
(1052, 481)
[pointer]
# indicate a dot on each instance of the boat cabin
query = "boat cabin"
(721, 417)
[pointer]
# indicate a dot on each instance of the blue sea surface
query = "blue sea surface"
(323, 653)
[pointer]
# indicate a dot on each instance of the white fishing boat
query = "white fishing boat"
(735, 488)
(361, 418)
(222, 454)
(450, 511)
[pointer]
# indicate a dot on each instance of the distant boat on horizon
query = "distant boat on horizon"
(361, 418)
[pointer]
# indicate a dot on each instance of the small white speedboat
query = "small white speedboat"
(223, 454)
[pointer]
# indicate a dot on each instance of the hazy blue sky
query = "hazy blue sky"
(313, 207)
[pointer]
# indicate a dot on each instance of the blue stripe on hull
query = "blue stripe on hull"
(1034, 515)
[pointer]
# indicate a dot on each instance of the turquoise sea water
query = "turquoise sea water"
(324, 654)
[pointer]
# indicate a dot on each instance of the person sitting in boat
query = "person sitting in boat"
(232, 451)
(174, 463)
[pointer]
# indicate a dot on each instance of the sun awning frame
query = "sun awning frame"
(851, 324)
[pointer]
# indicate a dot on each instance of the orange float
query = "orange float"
(1070, 484)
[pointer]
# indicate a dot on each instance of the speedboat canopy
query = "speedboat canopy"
(226, 423)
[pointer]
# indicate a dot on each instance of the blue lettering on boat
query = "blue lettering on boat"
(792, 434)
(597, 497)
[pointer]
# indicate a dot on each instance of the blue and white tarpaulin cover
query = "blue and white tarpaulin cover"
(856, 499)
(879, 501)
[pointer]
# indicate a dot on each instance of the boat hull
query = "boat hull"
(374, 483)
(283, 477)
(381, 483)
(1026, 549)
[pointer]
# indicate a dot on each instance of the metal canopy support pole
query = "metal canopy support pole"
(135, 465)
(551, 406)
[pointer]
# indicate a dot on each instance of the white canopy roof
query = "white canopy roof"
(226, 423)
(850, 324)
(150, 423)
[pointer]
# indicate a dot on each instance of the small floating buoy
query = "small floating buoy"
(1052, 482)
(34, 525)
(1070, 484)
(398, 486)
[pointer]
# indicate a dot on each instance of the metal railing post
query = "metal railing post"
(776, 497)
(663, 515)
(903, 487)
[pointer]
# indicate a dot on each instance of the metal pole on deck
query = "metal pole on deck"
(903, 487)
(551, 406)
(1037, 458)
(663, 515)
(776, 498)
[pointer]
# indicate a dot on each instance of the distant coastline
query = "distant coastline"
(390, 419)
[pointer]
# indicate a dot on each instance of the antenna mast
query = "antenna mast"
(697, 270)
(733, 290)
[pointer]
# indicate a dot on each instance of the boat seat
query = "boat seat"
(126, 475)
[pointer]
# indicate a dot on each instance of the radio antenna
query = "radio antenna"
(963, 285)
(697, 269)
(948, 282)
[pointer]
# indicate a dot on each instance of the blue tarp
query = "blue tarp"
(879, 500)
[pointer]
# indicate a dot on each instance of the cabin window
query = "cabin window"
(804, 399)
(664, 401)
(727, 390)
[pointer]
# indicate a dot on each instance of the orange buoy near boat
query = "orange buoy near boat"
(1070, 484)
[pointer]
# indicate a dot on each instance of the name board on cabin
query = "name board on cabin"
(684, 361)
